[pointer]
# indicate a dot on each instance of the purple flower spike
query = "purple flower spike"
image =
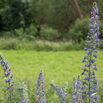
(40, 89)
(90, 84)
(7, 74)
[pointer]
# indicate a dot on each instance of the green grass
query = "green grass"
(58, 67)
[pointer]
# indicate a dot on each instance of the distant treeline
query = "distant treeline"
(52, 19)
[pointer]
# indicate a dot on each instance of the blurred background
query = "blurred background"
(46, 24)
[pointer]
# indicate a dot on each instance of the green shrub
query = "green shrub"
(29, 33)
(48, 33)
(79, 30)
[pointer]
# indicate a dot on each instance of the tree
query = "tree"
(2, 6)
(16, 14)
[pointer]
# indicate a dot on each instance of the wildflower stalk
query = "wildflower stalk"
(61, 92)
(77, 91)
(8, 80)
(90, 84)
(40, 87)
(23, 93)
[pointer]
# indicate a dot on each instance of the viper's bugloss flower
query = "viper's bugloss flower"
(40, 89)
(77, 92)
(8, 79)
(61, 92)
(22, 89)
(91, 21)
(92, 60)
(85, 69)
(82, 73)
(95, 68)
(85, 49)
(90, 83)
(89, 92)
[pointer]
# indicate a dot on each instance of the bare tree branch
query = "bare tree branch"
(78, 9)
(72, 5)
(95, 0)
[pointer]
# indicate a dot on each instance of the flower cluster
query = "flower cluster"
(23, 93)
(77, 91)
(90, 83)
(40, 88)
(8, 75)
(60, 92)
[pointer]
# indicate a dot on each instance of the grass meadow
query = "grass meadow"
(58, 67)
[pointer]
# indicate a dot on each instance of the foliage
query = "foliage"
(16, 14)
(29, 33)
(79, 30)
(38, 45)
(53, 13)
(2, 6)
(48, 33)
(60, 14)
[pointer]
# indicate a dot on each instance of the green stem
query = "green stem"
(10, 94)
(90, 76)
(21, 93)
